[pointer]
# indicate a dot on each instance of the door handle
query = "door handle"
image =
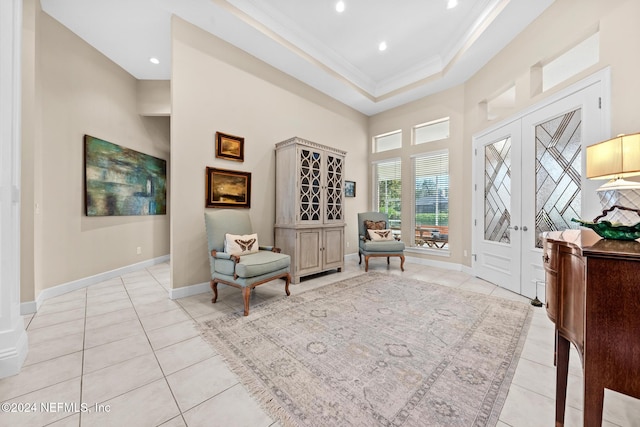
(515, 227)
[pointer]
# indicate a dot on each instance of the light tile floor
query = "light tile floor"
(135, 358)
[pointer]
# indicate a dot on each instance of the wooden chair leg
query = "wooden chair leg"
(402, 262)
(360, 256)
(366, 263)
(562, 372)
(286, 285)
(214, 288)
(246, 294)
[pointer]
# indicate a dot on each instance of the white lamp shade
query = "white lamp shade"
(618, 157)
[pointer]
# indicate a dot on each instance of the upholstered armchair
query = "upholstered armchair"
(376, 238)
(235, 257)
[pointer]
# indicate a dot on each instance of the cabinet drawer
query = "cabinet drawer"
(550, 256)
(551, 294)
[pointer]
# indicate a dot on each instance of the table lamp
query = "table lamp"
(615, 159)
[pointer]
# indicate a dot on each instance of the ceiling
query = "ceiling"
(430, 48)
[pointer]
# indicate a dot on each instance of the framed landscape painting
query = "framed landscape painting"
(229, 147)
(119, 181)
(227, 188)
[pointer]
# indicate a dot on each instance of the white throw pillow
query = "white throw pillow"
(380, 234)
(236, 244)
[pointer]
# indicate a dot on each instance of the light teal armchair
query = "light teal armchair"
(386, 247)
(243, 271)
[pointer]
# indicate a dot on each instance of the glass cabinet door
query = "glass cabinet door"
(310, 185)
(334, 189)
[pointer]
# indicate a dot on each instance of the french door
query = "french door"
(528, 179)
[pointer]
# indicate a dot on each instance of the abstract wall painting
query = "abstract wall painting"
(120, 181)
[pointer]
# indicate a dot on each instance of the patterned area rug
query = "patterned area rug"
(377, 350)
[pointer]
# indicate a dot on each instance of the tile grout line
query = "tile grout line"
(152, 349)
(84, 338)
(164, 376)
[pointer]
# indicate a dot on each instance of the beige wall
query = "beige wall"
(216, 87)
(559, 28)
(75, 90)
(154, 97)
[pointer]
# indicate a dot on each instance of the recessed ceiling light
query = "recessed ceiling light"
(382, 46)
(154, 61)
(451, 4)
(340, 6)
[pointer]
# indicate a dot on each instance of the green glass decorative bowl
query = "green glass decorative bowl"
(613, 231)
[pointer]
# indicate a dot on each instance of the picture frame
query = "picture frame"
(229, 147)
(120, 181)
(349, 189)
(227, 188)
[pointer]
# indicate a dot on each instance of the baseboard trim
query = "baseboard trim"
(433, 263)
(426, 261)
(187, 291)
(30, 307)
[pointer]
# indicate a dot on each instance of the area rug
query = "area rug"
(377, 350)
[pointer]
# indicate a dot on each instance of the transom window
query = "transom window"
(431, 131)
(387, 141)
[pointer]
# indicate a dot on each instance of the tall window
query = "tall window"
(388, 186)
(431, 172)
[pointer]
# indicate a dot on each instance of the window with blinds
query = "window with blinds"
(431, 173)
(388, 185)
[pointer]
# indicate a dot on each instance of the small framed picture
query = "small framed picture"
(350, 188)
(227, 188)
(229, 147)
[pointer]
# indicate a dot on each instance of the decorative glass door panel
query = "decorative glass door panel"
(497, 191)
(310, 188)
(558, 170)
(497, 181)
(334, 192)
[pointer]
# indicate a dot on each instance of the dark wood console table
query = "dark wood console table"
(593, 297)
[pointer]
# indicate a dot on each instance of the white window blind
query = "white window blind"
(431, 173)
(388, 187)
